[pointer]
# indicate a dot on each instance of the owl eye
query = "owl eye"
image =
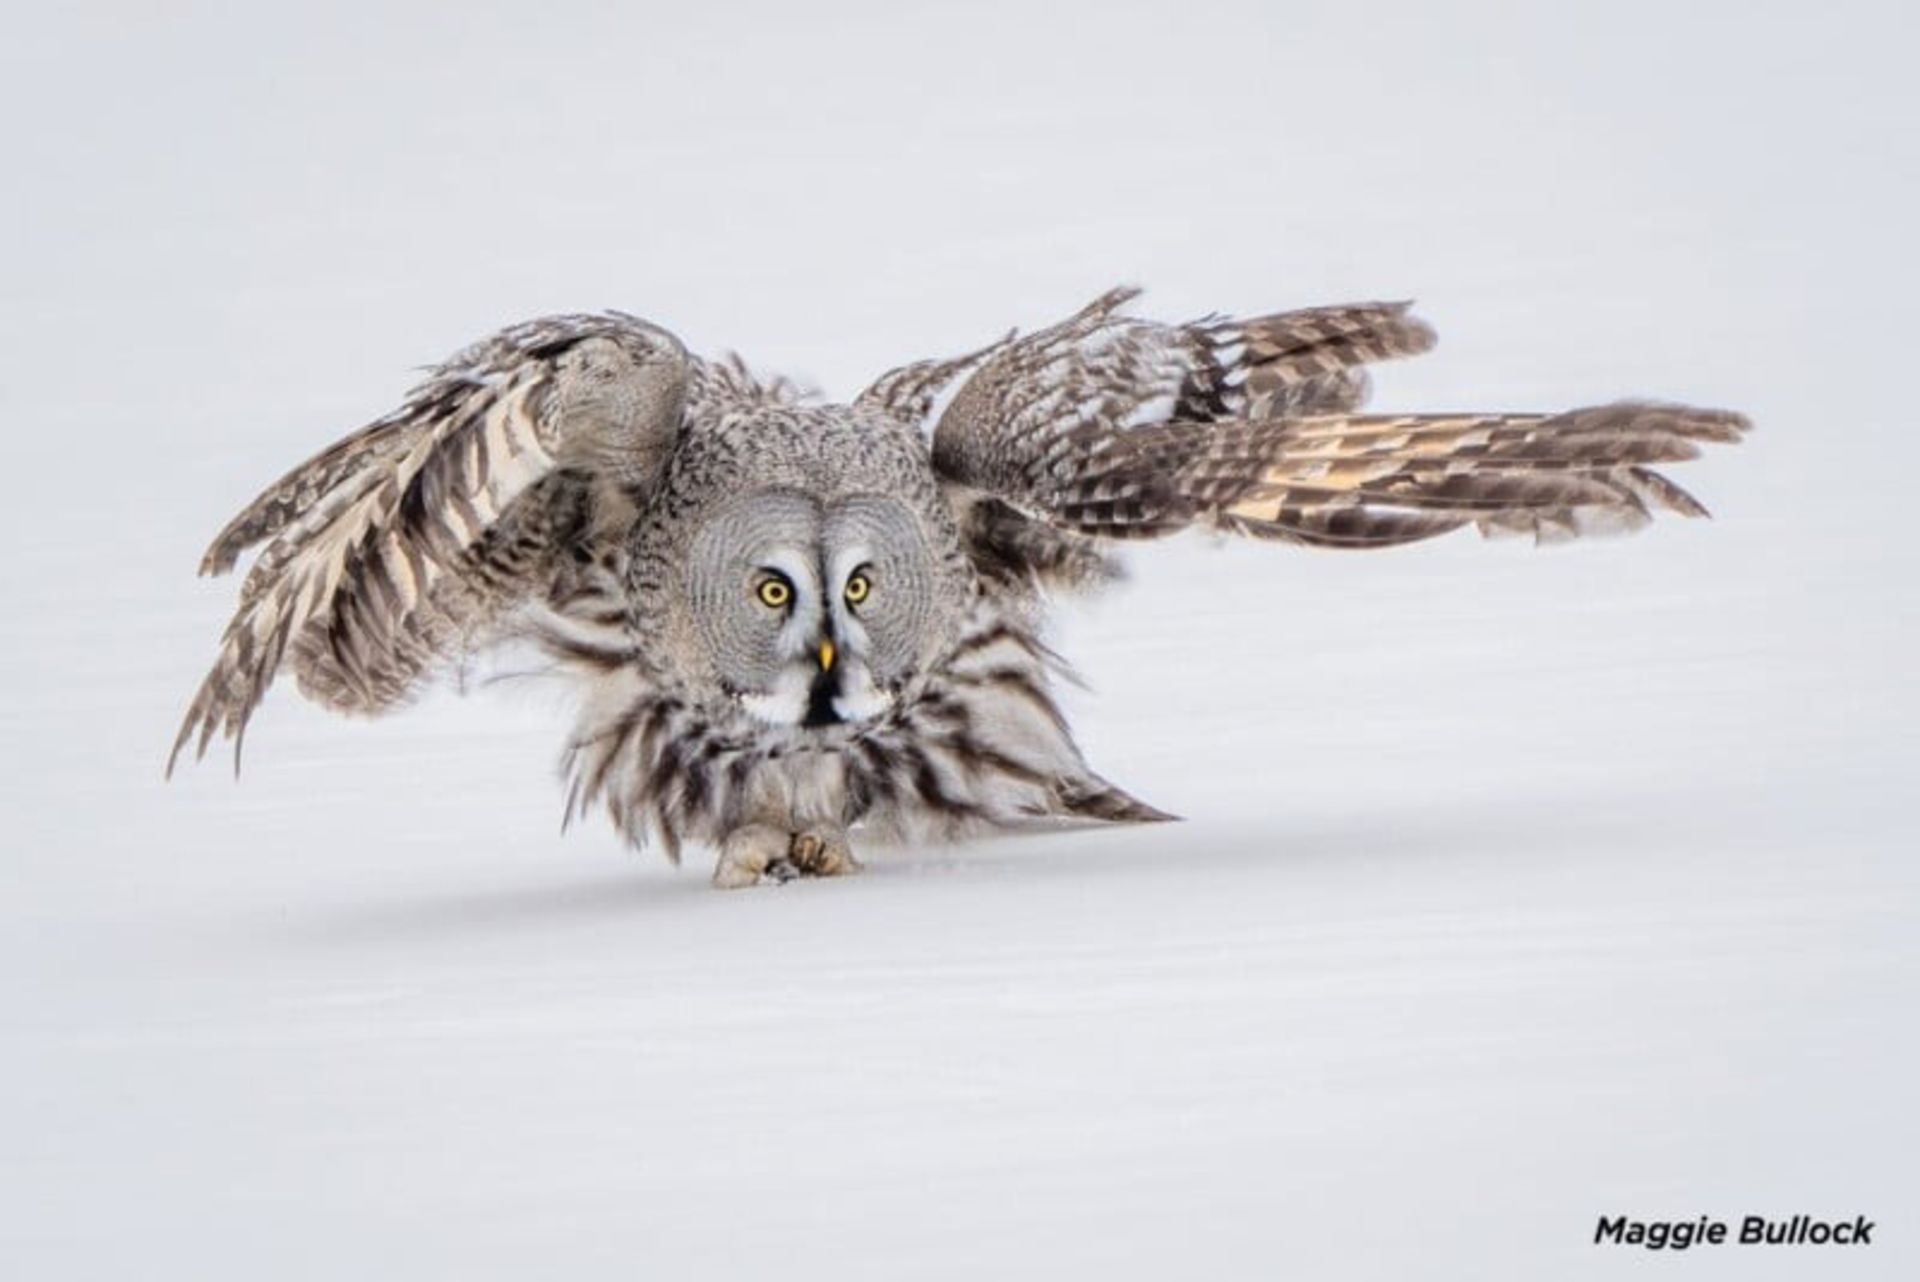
(774, 593)
(858, 588)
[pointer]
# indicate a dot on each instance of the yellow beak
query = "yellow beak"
(826, 656)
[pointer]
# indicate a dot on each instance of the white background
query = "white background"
(1518, 886)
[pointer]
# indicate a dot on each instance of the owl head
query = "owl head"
(812, 611)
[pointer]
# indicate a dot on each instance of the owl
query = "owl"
(788, 621)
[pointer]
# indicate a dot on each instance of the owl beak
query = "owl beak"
(825, 687)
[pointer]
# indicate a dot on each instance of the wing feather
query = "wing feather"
(1105, 426)
(390, 550)
(1363, 479)
(1038, 412)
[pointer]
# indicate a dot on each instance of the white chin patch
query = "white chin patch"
(785, 704)
(859, 698)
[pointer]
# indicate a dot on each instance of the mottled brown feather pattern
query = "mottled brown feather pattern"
(1044, 423)
(1075, 428)
(392, 549)
(1310, 361)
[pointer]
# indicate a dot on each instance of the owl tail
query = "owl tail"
(1091, 797)
(1363, 481)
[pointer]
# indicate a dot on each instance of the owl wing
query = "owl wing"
(1106, 426)
(409, 540)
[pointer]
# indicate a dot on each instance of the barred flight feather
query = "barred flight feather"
(389, 552)
(1550, 474)
(1038, 411)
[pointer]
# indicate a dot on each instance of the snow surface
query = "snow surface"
(1518, 886)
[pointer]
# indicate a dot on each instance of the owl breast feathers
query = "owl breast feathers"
(789, 620)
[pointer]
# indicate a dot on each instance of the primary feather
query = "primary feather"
(386, 550)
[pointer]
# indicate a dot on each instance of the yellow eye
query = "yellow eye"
(857, 589)
(774, 593)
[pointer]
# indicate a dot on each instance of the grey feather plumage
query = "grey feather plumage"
(790, 619)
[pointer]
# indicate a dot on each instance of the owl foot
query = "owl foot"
(823, 852)
(754, 853)
(749, 853)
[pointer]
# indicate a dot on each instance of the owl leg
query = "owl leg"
(750, 852)
(823, 852)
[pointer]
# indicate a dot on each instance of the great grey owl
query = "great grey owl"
(790, 620)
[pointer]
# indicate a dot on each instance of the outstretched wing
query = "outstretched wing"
(1375, 480)
(1025, 414)
(1111, 427)
(393, 548)
(1101, 364)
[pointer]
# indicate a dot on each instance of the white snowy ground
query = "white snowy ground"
(1518, 887)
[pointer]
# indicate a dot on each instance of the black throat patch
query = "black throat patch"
(820, 700)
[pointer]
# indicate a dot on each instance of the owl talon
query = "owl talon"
(823, 853)
(749, 854)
